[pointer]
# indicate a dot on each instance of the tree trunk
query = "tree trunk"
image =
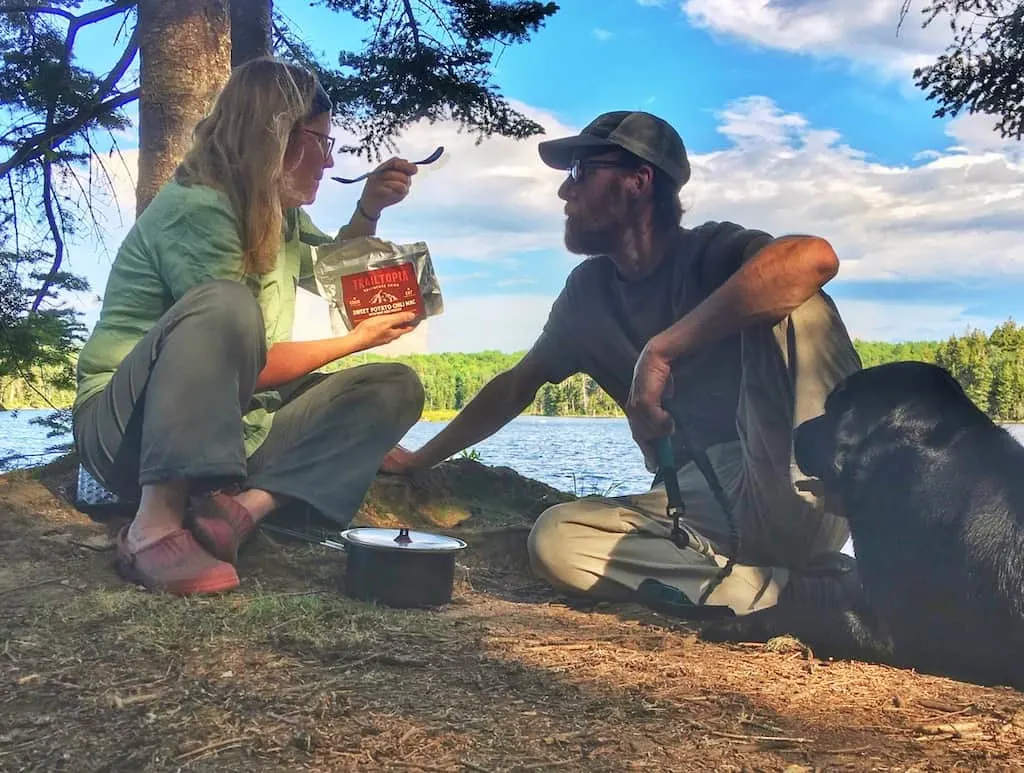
(250, 30)
(186, 58)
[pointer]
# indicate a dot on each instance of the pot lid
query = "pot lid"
(402, 539)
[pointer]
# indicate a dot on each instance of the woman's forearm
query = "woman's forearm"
(289, 360)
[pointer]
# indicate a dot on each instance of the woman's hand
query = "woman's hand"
(383, 329)
(288, 360)
(387, 185)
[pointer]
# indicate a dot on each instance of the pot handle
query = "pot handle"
(304, 536)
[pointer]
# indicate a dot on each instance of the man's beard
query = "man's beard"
(599, 228)
(583, 238)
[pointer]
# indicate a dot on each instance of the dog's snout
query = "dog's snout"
(814, 447)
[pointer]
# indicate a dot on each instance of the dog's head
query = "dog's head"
(886, 403)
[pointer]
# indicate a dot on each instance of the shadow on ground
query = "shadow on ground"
(288, 674)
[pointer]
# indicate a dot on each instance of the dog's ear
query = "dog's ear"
(864, 413)
(848, 439)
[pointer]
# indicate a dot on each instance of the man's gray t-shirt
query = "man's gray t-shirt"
(599, 324)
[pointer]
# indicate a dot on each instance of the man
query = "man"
(721, 328)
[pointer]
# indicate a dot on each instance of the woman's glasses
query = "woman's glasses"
(326, 141)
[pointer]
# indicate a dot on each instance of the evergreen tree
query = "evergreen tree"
(421, 59)
(982, 69)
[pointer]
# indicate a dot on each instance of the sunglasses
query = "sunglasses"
(578, 167)
(326, 141)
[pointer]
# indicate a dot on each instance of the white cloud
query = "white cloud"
(505, 322)
(878, 320)
(484, 202)
(104, 197)
(864, 30)
(954, 215)
(602, 34)
(976, 133)
(958, 214)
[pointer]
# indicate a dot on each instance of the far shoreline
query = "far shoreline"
(448, 415)
(440, 416)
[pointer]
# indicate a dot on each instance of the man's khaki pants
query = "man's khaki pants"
(606, 547)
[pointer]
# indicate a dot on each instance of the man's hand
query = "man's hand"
(383, 329)
(399, 461)
(387, 185)
(652, 381)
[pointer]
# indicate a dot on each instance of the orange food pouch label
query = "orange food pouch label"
(381, 291)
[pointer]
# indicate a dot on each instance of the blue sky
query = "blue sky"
(799, 116)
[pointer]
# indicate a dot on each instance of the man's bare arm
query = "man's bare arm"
(502, 399)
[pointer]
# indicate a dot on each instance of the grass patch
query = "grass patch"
(308, 622)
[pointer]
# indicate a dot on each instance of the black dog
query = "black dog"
(934, 494)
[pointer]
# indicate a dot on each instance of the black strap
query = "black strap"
(703, 463)
(696, 453)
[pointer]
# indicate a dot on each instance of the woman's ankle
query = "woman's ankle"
(142, 533)
(161, 512)
(258, 502)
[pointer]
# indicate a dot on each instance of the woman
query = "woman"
(191, 399)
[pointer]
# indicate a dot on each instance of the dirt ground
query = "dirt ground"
(287, 674)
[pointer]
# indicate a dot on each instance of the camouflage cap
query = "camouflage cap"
(642, 134)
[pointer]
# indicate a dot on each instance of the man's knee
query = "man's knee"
(549, 549)
(817, 327)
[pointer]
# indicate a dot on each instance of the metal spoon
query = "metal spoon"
(428, 160)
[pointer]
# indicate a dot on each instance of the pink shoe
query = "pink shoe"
(175, 564)
(221, 525)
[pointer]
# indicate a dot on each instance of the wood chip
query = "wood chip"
(949, 728)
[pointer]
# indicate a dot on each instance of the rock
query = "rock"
(461, 492)
(787, 645)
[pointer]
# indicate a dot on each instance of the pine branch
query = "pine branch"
(33, 9)
(55, 231)
(36, 145)
(904, 12)
(118, 70)
(39, 144)
(413, 26)
(85, 19)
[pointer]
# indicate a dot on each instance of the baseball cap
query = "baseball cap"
(642, 134)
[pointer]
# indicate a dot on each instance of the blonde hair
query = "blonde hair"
(239, 149)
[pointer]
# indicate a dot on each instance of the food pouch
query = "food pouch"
(367, 277)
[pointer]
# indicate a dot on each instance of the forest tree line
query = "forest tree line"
(990, 367)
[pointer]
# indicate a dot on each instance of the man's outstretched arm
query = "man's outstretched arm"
(502, 399)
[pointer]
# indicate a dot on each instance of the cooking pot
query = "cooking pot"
(399, 567)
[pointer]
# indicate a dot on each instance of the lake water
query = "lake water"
(581, 456)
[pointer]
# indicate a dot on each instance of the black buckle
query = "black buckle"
(675, 510)
(680, 536)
